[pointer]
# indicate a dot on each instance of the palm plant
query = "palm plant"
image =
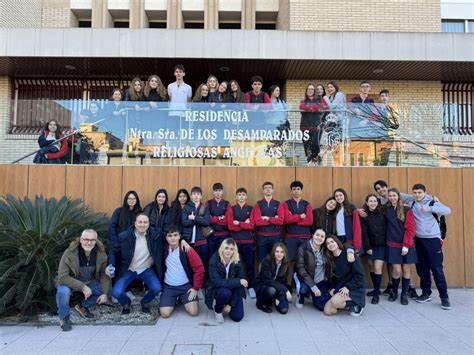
(33, 236)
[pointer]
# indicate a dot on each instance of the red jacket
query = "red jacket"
(59, 154)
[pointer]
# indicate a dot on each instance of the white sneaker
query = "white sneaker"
(130, 295)
(218, 317)
(200, 294)
(252, 293)
(297, 302)
(114, 300)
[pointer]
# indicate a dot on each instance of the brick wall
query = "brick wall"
(366, 15)
(20, 13)
(58, 17)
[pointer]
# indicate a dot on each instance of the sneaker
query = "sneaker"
(200, 294)
(412, 293)
(445, 304)
(114, 300)
(388, 290)
(404, 299)
(126, 309)
(371, 293)
(218, 317)
(83, 311)
(65, 324)
(265, 309)
(130, 295)
(299, 302)
(356, 311)
(252, 293)
(146, 309)
(375, 300)
(393, 296)
(423, 298)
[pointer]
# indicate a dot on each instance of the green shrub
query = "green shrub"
(33, 237)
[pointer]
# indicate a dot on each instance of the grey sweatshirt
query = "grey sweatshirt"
(426, 225)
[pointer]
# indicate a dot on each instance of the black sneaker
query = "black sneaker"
(126, 309)
(393, 296)
(83, 311)
(375, 300)
(388, 290)
(371, 294)
(356, 311)
(265, 309)
(65, 324)
(146, 309)
(404, 299)
(445, 304)
(412, 293)
(423, 298)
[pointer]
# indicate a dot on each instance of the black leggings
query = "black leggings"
(268, 295)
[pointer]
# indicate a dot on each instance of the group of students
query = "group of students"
(191, 245)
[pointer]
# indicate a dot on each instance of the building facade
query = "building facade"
(81, 49)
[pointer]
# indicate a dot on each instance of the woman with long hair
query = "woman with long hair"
(124, 216)
(348, 285)
(236, 95)
(271, 283)
(347, 220)
(202, 94)
(324, 217)
(401, 253)
(154, 90)
(134, 91)
(213, 84)
(311, 121)
(223, 91)
(181, 199)
(334, 97)
(158, 211)
(226, 283)
(50, 152)
(374, 239)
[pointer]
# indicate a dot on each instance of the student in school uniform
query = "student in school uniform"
(218, 208)
(158, 212)
(324, 217)
(374, 239)
(298, 219)
(271, 284)
(347, 220)
(241, 224)
(226, 288)
(268, 215)
(401, 252)
(176, 210)
(348, 285)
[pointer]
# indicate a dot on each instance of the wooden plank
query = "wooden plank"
(468, 207)
(103, 188)
(363, 179)
(225, 175)
(146, 180)
(47, 180)
(446, 184)
(252, 179)
(189, 177)
(341, 178)
(75, 181)
(317, 184)
(14, 180)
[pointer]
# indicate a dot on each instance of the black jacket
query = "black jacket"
(266, 277)
(217, 278)
(158, 220)
(122, 254)
(374, 230)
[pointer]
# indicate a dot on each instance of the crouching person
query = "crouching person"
(183, 276)
(82, 271)
(135, 253)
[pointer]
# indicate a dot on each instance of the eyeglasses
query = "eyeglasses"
(85, 240)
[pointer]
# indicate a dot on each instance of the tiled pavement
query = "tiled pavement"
(388, 328)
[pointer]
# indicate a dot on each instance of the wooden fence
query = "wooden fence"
(103, 187)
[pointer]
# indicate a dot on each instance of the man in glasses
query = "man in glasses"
(81, 274)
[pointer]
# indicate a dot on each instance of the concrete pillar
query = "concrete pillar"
(101, 17)
(248, 14)
(283, 18)
(174, 15)
(138, 17)
(211, 14)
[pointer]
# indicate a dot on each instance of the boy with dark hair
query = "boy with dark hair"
(218, 209)
(241, 224)
(428, 245)
(257, 96)
(298, 219)
(195, 217)
(363, 97)
(268, 215)
(182, 275)
(179, 91)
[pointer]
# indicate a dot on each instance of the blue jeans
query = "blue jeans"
(148, 277)
(223, 296)
(63, 294)
(318, 302)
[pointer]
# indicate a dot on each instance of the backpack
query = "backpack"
(441, 220)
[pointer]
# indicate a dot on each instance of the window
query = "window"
(353, 159)
(121, 24)
(470, 26)
(229, 26)
(265, 26)
(452, 25)
(458, 117)
(194, 25)
(157, 24)
(361, 159)
(85, 23)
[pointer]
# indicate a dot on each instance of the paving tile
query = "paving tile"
(227, 331)
(185, 334)
(114, 332)
(297, 347)
(25, 347)
(464, 334)
(41, 334)
(254, 332)
(68, 346)
(226, 347)
(103, 347)
(143, 347)
(452, 347)
(259, 347)
(374, 347)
